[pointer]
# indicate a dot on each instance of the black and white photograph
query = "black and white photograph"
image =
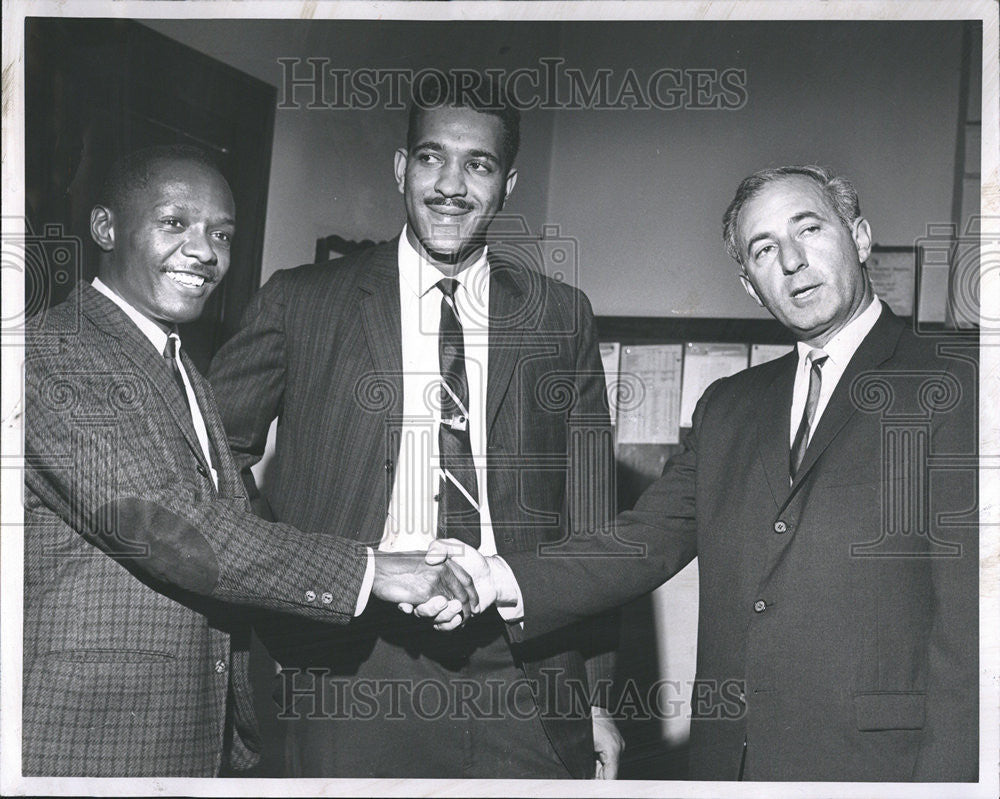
(483, 398)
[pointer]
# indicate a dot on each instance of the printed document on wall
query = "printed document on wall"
(703, 365)
(649, 391)
(610, 351)
(762, 353)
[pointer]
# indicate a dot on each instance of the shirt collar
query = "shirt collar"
(149, 328)
(420, 276)
(841, 347)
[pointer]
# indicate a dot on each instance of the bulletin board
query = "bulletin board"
(641, 462)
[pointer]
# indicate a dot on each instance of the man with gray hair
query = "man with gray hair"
(830, 497)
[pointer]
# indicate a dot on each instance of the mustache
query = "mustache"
(449, 202)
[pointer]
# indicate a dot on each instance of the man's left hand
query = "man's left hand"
(608, 744)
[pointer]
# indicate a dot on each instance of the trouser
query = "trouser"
(421, 703)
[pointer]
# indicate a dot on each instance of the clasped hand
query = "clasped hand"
(448, 584)
(413, 579)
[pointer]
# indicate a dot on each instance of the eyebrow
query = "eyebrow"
(792, 220)
(433, 145)
(171, 205)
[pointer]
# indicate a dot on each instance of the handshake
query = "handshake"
(449, 583)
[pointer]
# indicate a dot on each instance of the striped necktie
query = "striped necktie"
(816, 359)
(458, 511)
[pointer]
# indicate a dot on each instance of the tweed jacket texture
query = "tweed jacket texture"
(137, 570)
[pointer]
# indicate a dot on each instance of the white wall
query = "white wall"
(645, 191)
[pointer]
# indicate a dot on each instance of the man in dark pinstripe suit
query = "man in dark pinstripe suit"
(346, 355)
(140, 548)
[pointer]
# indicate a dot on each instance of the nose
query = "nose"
(199, 245)
(451, 180)
(793, 257)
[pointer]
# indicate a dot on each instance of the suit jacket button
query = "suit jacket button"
(220, 666)
(310, 596)
(780, 526)
(202, 470)
(759, 606)
(388, 466)
(327, 598)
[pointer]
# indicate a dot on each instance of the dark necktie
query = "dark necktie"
(816, 360)
(458, 511)
(170, 352)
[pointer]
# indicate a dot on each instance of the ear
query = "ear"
(861, 232)
(400, 165)
(102, 227)
(511, 182)
(749, 289)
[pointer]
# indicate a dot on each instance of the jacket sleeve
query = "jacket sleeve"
(103, 455)
(638, 551)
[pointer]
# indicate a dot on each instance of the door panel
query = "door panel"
(97, 88)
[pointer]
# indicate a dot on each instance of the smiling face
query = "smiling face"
(167, 246)
(453, 183)
(801, 261)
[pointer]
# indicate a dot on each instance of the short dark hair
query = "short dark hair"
(487, 96)
(133, 170)
(839, 190)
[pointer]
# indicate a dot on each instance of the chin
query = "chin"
(447, 254)
(181, 316)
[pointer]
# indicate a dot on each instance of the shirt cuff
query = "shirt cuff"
(366, 584)
(509, 602)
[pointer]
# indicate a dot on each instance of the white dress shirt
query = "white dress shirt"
(840, 349)
(411, 523)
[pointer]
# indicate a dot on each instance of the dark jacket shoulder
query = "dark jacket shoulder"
(339, 273)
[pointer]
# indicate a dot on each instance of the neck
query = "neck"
(827, 336)
(108, 279)
(446, 264)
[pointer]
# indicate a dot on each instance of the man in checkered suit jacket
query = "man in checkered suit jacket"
(141, 553)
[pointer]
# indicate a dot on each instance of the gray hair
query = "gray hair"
(839, 190)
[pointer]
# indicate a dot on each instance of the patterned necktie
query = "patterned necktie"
(816, 360)
(170, 353)
(458, 511)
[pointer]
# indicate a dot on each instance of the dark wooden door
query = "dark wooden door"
(97, 88)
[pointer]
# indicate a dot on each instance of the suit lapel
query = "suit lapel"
(876, 348)
(379, 288)
(773, 430)
(507, 324)
(230, 483)
(112, 320)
